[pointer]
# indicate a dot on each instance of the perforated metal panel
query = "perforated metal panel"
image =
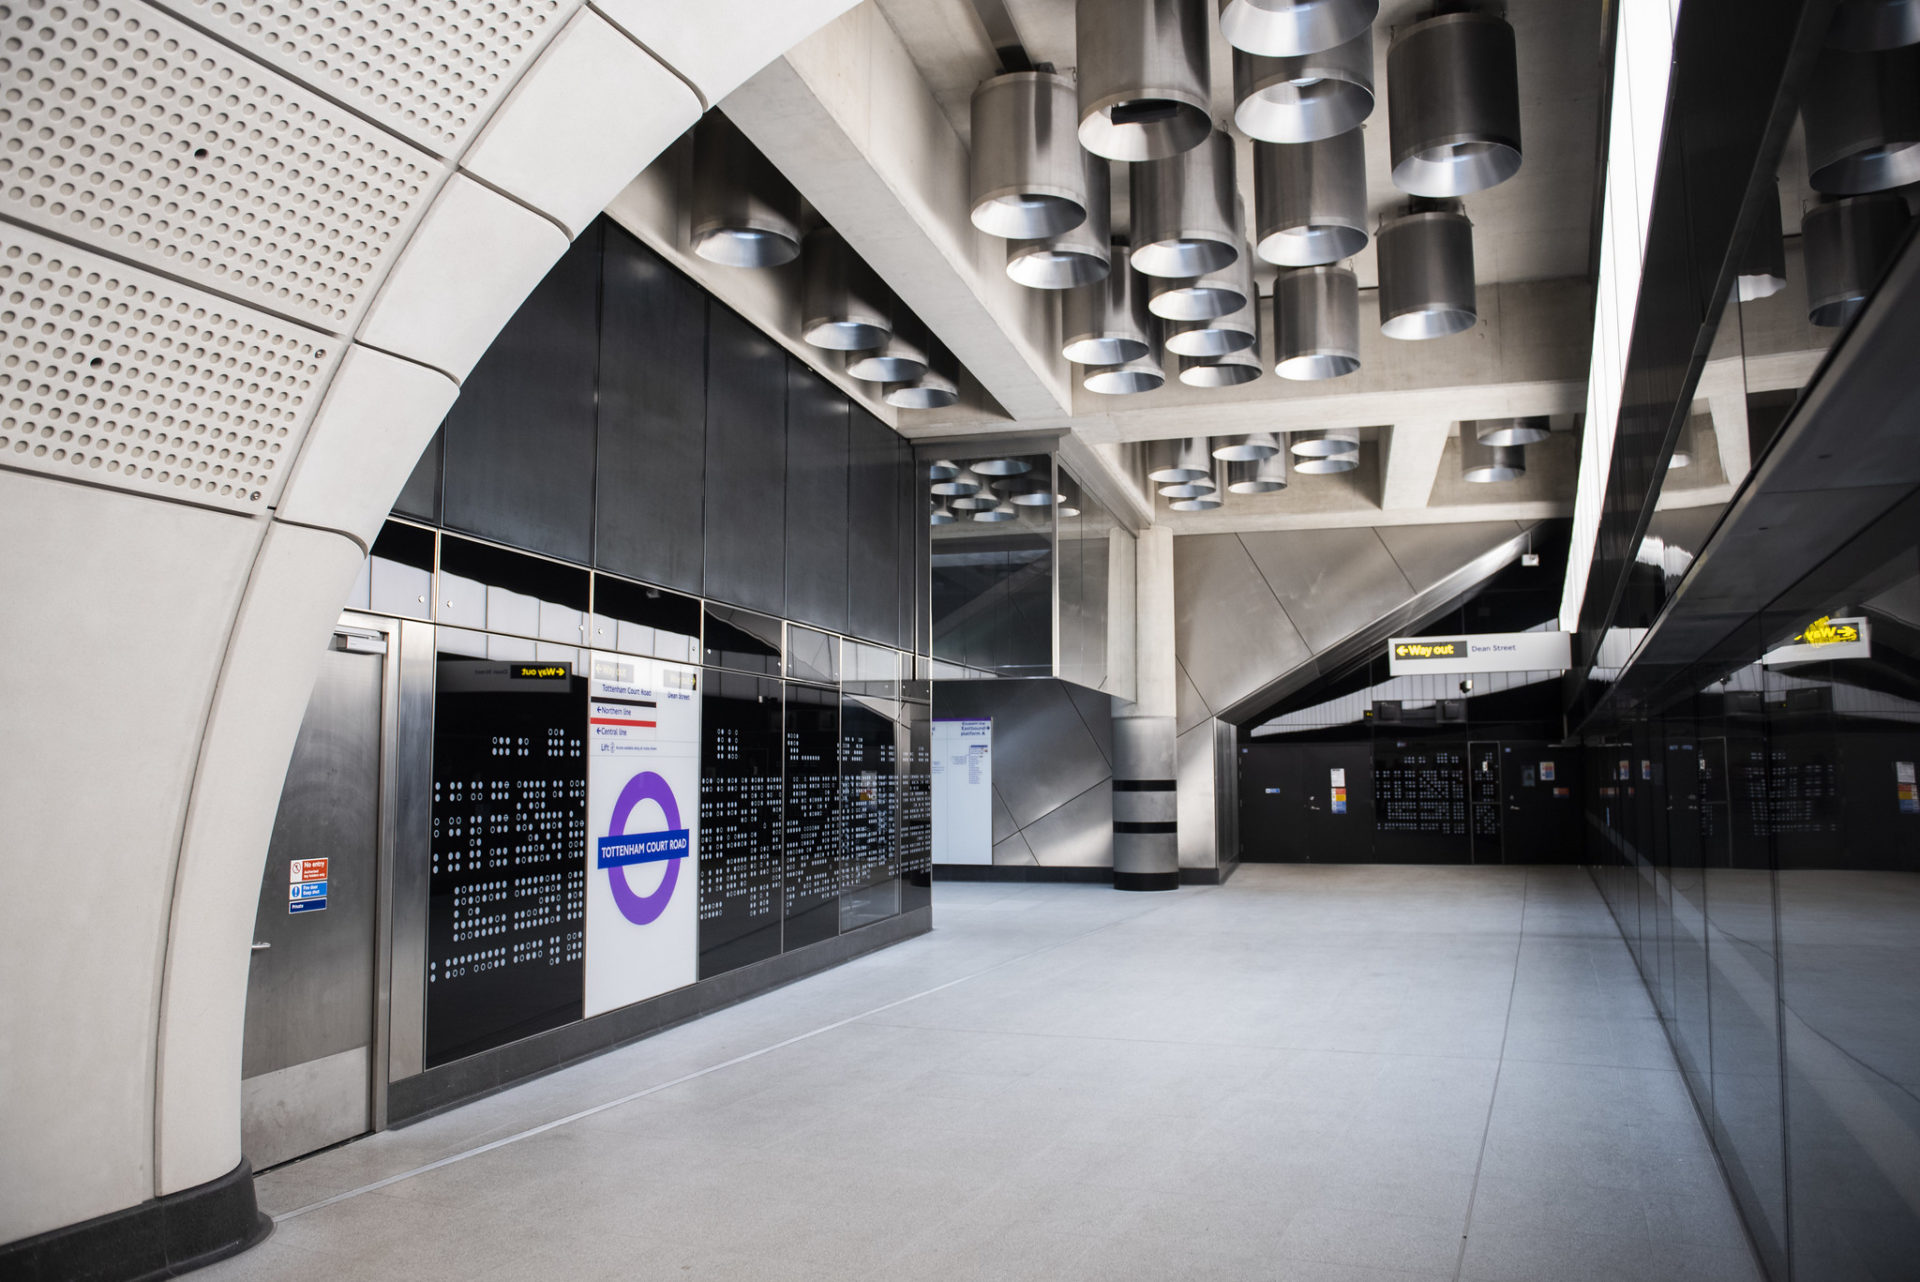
(426, 69)
(116, 376)
(135, 133)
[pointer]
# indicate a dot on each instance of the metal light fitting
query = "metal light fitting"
(1206, 298)
(1848, 244)
(902, 358)
(1426, 275)
(1144, 70)
(1259, 476)
(1141, 374)
(1513, 431)
(1861, 112)
(1183, 211)
(742, 211)
(935, 389)
(1026, 176)
(1250, 448)
(1485, 464)
(844, 306)
(1008, 466)
(1316, 313)
(1327, 443)
(1107, 323)
(1173, 463)
(1079, 256)
(1310, 200)
(1875, 24)
(1453, 105)
(1282, 28)
(1307, 97)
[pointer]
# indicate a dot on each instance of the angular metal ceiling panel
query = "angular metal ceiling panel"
(1330, 582)
(1229, 631)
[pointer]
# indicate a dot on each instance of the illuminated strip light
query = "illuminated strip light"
(1642, 70)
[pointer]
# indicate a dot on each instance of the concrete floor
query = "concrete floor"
(1310, 1074)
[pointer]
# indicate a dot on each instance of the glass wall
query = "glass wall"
(992, 565)
(1094, 560)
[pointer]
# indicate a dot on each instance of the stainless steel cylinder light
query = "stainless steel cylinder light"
(1025, 173)
(1327, 465)
(1183, 211)
(1261, 476)
(843, 305)
(997, 513)
(1875, 24)
(1006, 465)
(1283, 28)
(942, 470)
(1144, 68)
(1316, 317)
(1141, 374)
(970, 503)
(1235, 334)
(941, 515)
(1848, 244)
(1483, 464)
(1228, 370)
(1453, 105)
(1107, 323)
(1304, 98)
(902, 358)
(1191, 489)
(961, 483)
(1862, 118)
(1426, 275)
(1079, 256)
(744, 213)
(935, 389)
(1208, 502)
(1170, 463)
(1329, 443)
(1763, 266)
(1250, 448)
(1310, 200)
(1025, 491)
(1513, 431)
(1205, 298)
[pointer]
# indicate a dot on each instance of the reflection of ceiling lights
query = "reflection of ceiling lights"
(1183, 211)
(973, 502)
(1078, 256)
(1453, 105)
(1330, 443)
(1513, 431)
(844, 305)
(1862, 118)
(1026, 175)
(1763, 267)
(1875, 24)
(1106, 323)
(997, 513)
(1025, 491)
(1685, 447)
(1484, 464)
(1003, 467)
(1310, 200)
(960, 484)
(1250, 448)
(1142, 374)
(902, 358)
(942, 516)
(1426, 275)
(1260, 476)
(1316, 313)
(1143, 68)
(1279, 28)
(1848, 244)
(743, 212)
(942, 470)
(1306, 98)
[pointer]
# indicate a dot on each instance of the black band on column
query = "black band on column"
(1146, 881)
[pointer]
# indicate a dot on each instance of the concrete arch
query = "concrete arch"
(160, 642)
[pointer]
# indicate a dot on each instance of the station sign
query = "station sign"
(1484, 652)
(1825, 640)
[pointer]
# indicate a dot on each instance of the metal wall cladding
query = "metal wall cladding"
(746, 465)
(910, 513)
(816, 500)
(1330, 582)
(1230, 633)
(520, 440)
(872, 520)
(653, 412)
(1426, 554)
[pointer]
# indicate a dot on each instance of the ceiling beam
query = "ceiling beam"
(1413, 451)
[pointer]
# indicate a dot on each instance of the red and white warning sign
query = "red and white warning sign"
(300, 870)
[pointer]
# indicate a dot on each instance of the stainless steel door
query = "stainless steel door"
(308, 1055)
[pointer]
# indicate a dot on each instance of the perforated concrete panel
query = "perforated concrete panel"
(134, 132)
(118, 377)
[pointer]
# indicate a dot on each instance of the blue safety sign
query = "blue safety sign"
(306, 896)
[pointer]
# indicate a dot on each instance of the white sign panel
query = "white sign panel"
(643, 829)
(1825, 640)
(1487, 652)
(963, 792)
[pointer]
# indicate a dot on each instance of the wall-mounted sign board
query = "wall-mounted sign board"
(1486, 652)
(963, 792)
(1823, 641)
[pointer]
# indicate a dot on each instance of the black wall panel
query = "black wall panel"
(420, 497)
(520, 440)
(746, 465)
(873, 531)
(816, 500)
(911, 517)
(653, 418)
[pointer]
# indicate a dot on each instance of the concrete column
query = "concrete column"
(1146, 834)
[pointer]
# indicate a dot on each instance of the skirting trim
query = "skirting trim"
(162, 1238)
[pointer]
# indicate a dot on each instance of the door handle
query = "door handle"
(260, 947)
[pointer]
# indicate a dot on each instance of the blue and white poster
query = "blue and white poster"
(643, 821)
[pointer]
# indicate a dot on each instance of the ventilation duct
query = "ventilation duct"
(936, 389)
(1763, 269)
(1513, 431)
(1184, 209)
(1875, 24)
(1484, 464)
(1106, 323)
(844, 305)
(1848, 244)
(1078, 256)
(1141, 374)
(1310, 200)
(1453, 105)
(1316, 315)
(1228, 370)
(1173, 463)
(1426, 275)
(1306, 98)
(1250, 448)
(1205, 298)
(1862, 118)
(1261, 476)
(1331, 443)
(902, 358)
(743, 212)
(1145, 77)
(1284, 28)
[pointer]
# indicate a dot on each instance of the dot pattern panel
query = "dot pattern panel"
(427, 69)
(112, 375)
(131, 132)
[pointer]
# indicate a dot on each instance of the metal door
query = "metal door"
(308, 1058)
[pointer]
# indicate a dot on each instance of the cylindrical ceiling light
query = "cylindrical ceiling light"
(1310, 200)
(1283, 28)
(903, 357)
(1250, 448)
(1141, 374)
(1106, 323)
(935, 389)
(942, 470)
(1316, 316)
(1145, 76)
(997, 513)
(961, 484)
(1184, 209)
(1483, 464)
(1327, 464)
(1304, 98)
(1207, 502)
(941, 515)
(1330, 443)
(843, 305)
(1201, 488)
(1205, 298)
(743, 211)
(1026, 176)
(1260, 476)
(1848, 244)
(1453, 105)
(1228, 370)
(1078, 256)
(1004, 466)
(1426, 275)
(1069, 497)
(1170, 463)
(1513, 431)
(971, 503)
(1025, 491)
(1763, 267)
(1862, 118)
(1875, 24)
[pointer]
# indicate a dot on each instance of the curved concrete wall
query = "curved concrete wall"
(258, 306)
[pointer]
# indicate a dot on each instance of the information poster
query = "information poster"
(1904, 788)
(963, 792)
(643, 807)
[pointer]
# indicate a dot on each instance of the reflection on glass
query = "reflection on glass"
(742, 640)
(812, 656)
(871, 764)
(490, 589)
(812, 827)
(740, 820)
(992, 565)
(635, 618)
(1087, 552)
(397, 578)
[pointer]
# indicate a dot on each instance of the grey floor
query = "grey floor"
(1309, 1074)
